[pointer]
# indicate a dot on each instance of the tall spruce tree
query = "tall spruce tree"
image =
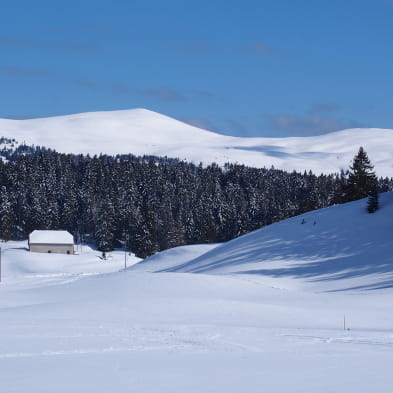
(362, 181)
(105, 226)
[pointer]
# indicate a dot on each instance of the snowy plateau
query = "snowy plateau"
(143, 132)
(261, 313)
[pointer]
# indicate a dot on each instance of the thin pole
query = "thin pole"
(125, 252)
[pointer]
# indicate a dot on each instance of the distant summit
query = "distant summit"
(143, 132)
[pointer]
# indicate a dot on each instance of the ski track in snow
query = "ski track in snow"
(187, 338)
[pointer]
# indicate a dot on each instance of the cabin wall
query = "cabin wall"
(52, 248)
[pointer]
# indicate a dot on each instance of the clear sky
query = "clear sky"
(249, 68)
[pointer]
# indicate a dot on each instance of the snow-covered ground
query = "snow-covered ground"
(81, 324)
(339, 248)
(140, 132)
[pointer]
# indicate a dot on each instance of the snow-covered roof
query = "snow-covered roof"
(51, 237)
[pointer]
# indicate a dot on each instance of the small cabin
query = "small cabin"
(59, 242)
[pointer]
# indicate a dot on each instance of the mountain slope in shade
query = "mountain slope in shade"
(338, 248)
(143, 132)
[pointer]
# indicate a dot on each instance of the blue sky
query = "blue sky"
(247, 68)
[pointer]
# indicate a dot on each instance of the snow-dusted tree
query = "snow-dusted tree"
(105, 226)
(6, 215)
(340, 194)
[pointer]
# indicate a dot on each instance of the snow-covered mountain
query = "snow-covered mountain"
(143, 132)
(338, 248)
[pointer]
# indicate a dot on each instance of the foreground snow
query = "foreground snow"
(81, 324)
(181, 332)
(141, 132)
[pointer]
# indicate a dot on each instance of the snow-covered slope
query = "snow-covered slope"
(337, 248)
(71, 323)
(172, 257)
(69, 326)
(141, 131)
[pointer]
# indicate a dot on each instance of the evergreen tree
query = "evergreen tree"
(341, 192)
(362, 181)
(6, 216)
(105, 226)
(373, 203)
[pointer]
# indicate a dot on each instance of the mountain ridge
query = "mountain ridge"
(144, 132)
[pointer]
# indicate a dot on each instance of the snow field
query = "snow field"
(174, 332)
(262, 313)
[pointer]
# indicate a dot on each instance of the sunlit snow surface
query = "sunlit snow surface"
(143, 132)
(262, 313)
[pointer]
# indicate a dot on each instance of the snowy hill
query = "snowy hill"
(140, 132)
(338, 248)
(256, 314)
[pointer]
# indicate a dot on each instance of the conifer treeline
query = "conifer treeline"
(155, 203)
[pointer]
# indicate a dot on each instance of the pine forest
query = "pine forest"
(148, 204)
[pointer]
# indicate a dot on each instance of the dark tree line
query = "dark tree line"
(157, 203)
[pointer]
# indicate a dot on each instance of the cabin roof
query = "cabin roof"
(51, 237)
